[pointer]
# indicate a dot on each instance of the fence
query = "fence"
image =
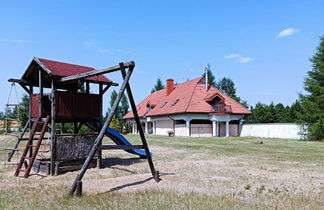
(272, 130)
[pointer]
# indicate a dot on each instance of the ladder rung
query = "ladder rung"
(11, 149)
(26, 139)
(23, 170)
(27, 158)
(12, 104)
(8, 163)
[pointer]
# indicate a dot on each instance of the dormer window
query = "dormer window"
(175, 102)
(216, 102)
(163, 105)
(149, 108)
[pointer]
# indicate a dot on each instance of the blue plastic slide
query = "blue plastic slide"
(119, 140)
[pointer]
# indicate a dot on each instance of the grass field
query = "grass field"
(196, 173)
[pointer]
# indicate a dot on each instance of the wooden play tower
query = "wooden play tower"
(64, 97)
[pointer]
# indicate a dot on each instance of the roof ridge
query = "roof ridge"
(192, 94)
(66, 63)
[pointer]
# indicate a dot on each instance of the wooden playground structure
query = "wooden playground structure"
(68, 100)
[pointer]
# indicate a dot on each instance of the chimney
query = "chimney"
(169, 86)
(206, 78)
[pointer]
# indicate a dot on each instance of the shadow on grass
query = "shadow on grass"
(110, 162)
(136, 183)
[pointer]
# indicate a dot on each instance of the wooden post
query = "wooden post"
(40, 92)
(101, 134)
(75, 128)
(31, 90)
(53, 137)
(87, 87)
(139, 126)
(99, 152)
(79, 189)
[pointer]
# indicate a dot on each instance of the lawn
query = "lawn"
(196, 173)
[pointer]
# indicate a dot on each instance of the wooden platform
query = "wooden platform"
(43, 166)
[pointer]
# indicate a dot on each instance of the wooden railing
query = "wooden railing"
(221, 109)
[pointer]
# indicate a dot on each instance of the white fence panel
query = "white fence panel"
(272, 130)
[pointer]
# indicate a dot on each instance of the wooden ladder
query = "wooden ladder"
(30, 146)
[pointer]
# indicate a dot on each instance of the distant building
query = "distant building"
(190, 109)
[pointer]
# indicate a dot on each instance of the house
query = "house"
(190, 109)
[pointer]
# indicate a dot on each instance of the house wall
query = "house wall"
(272, 130)
(201, 130)
(233, 130)
(163, 126)
(180, 130)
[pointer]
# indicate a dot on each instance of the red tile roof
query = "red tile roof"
(192, 97)
(66, 69)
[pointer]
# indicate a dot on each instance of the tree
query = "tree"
(313, 102)
(124, 105)
(118, 122)
(24, 110)
(295, 111)
(227, 86)
(1, 115)
(282, 114)
(211, 77)
(158, 86)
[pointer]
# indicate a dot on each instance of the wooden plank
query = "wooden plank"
(97, 72)
(53, 119)
(43, 66)
(139, 126)
(108, 147)
(25, 82)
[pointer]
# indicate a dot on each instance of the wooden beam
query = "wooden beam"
(53, 119)
(97, 72)
(155, 173)
(40, 73)
(98, 140)
(20, 81)
(87, 89)
(43, 66)
(108, 147)
(105, 89)
(24, 87)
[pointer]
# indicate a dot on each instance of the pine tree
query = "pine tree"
(23, 110)
(295, 111)
(227, 86)
(313, 102)
(282, 113)
(158, 85)
(211, 77)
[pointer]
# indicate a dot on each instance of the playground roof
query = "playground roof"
(58, 70)
(193, 98)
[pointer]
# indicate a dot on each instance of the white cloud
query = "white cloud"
(287, 32)
(91, 44)
(16, 40)
(230, 56)
(244, 59)
(239, 58)
(104, 50)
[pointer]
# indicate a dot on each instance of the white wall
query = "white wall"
(163, 126)
(272, 130)
(180, 129)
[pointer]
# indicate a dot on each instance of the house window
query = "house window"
(215, 103)
(175, 102)
(149, 108)
(163, 105)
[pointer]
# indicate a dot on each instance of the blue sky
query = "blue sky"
(263, 46)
